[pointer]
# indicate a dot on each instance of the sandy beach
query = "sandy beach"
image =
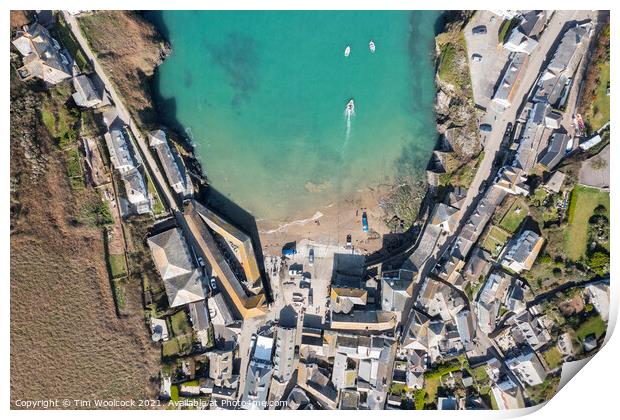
(331, 224)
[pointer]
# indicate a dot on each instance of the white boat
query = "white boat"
(371, 45)
(350, 109)
(347, 51)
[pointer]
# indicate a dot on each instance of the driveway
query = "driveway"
(594, 172)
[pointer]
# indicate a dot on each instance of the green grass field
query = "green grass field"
(514, 216)
(553, 357)
(495, 240)
(74, 169)
(118, 266)
(180, 324)
(177, 345)
(118, 287)
(158, 207)
(593, 325)
(504, 30)
(583, 201)
(598, 114)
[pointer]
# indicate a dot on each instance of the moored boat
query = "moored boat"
(372, 47)
(347, 51)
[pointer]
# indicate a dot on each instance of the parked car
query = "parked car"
(213, 284)
(349, 242)
(486, 128)
(508, 133)
(252, 342)
(476, 57)
(311, 256)
(201, 262)
(479, 30)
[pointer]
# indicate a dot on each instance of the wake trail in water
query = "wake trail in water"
(347, 135)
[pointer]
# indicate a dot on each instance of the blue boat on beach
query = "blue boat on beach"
(364, 222)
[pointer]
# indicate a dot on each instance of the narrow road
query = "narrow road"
(123, 113)
(500, 117)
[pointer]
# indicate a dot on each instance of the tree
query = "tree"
(599, 262)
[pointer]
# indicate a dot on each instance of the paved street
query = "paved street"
(499, 118)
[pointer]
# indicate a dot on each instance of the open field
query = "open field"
(66, 341)
(583, 201)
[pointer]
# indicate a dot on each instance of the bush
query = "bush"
(600, 210)
(599, 262)
(504, 30)
(98, 214)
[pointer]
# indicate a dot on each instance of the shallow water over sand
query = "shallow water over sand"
(262, 95)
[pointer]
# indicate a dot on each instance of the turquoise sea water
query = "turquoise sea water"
(262, 95)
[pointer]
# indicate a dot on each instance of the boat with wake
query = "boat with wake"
(350, 108)
(372, 47)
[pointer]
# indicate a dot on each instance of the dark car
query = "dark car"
(508, 133)
(213, 285)
(486, 128)
(311, 256)
(476, 57)
(479, 30)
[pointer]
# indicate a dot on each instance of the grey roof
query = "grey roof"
(522, 248)
(527, 367)
(199, 315)
(557, 76)
(520, 42)
(396, 290)
(477, 265)
(38, 47)
(284, 355)
(135, 186)
(555, 182)
(555, 151)
(532, 22)
(85, 94)
(256, 386)
(443, 213)
(182, 280)
(532, 137)
(504, 90)
(465, 327)
(120, 152)
(457, 196)
(173, 166)
(529, 329)
(565, 52)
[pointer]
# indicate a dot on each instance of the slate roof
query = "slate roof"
(182, 280)
(556, 150)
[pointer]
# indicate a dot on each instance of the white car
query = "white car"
(213, 284)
